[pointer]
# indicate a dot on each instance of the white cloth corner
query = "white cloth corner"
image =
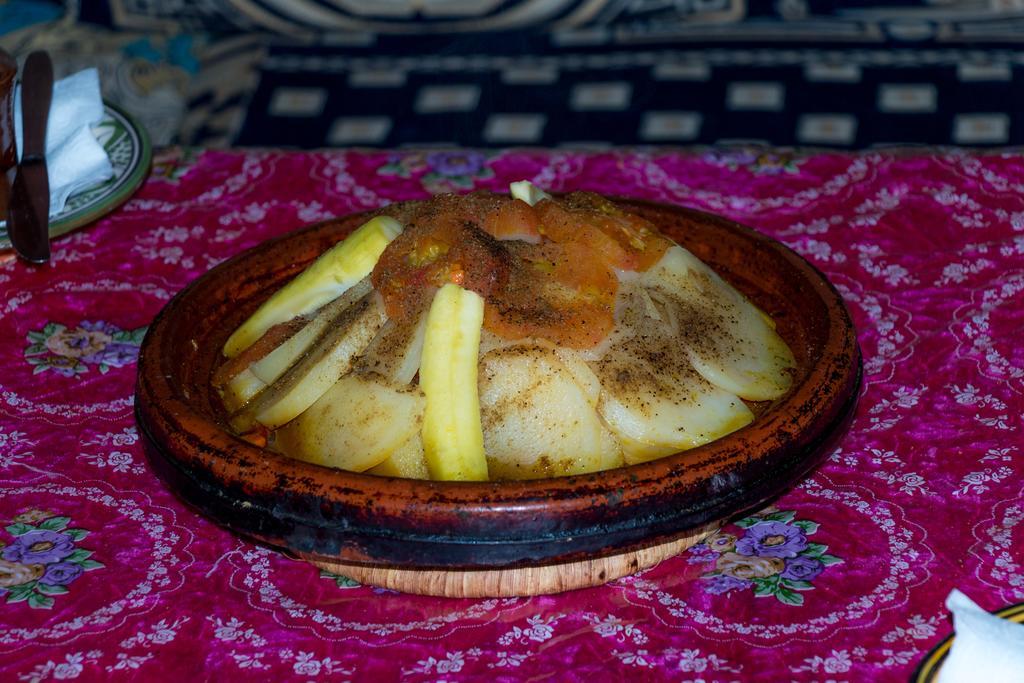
(75, 160)
(985, 647)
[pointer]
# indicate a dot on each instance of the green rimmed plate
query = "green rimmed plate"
(131, 155)
(931, 666)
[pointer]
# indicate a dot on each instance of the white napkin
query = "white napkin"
(74, 159)
(985, 648)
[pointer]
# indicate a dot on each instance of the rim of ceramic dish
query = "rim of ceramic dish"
(931, 664)
(599, 512)
(128, 176)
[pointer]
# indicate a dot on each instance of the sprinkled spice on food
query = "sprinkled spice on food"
(488, 336)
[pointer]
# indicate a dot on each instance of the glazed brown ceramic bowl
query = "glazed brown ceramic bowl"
(328, 515)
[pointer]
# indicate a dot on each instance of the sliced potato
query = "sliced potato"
(537, 419)
(330, 357)
(656, 421)
(240, 389)
(575, 361)
(581, 373)
(526, 191)
(356, 425)
(731, 342)
(407, 461)
(334, 272)
(396, 350)
(453, 441)
(246, 384)
(652, 398)
(274, 364)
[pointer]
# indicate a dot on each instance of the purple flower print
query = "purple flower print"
(113, 353)
(100, 326)
(702, 558)
(116, 355)
(39, 547)
(77, 342)
(802, 568)
(721, 583)
(772, 539)
(41, 560)
(772, 557)
(721, 543)
(730, 157)
(61, 573)
(68, 351)
(456, 163)
(754, 160)
(701, 554)
(63, 365)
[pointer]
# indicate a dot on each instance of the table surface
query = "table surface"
(107, 576)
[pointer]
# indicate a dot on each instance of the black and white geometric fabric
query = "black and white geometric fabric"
(579, 95)
(498, 73)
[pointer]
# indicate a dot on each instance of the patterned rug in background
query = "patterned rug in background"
(548, 72)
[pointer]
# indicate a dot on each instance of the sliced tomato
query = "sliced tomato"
(439, 245)
(622, 240)
(513, 219)
(544, 271)
(560, 292)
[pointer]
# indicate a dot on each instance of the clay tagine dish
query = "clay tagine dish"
(359, 393)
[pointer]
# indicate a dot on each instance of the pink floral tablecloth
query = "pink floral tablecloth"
(104, 575)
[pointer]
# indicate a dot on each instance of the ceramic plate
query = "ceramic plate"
(127, 145)
(325, 514)
(930, 668)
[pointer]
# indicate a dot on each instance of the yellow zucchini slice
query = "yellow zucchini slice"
(453, 440)
(327, 278)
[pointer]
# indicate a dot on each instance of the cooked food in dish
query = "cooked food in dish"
(500, 337)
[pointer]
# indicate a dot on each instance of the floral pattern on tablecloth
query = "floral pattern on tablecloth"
(921, 495)
(441, 171)
(770, 553)
(42, 559)
(72, 351)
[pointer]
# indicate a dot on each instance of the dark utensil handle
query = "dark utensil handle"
(27, 224)
(36, 92)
